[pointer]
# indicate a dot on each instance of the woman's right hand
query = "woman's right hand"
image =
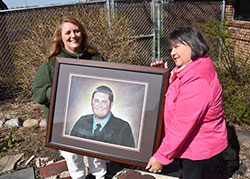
(159, 64)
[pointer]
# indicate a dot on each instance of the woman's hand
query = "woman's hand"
(159, 64)
(154, 165)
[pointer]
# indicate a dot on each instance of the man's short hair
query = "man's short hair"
(104, 89)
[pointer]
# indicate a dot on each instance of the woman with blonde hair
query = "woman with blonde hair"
(57, 42)
(70, 41)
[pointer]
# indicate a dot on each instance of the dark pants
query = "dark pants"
(212, 168)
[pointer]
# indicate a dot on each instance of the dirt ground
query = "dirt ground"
(31, 141)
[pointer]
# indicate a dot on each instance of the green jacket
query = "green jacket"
(42, 86)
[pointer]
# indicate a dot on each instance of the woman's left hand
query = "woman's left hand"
(159, 64)
(154, 165)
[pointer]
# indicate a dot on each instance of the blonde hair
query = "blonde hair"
(57, 43)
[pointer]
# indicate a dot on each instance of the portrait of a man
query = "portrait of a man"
(109, 111)
(102, 125)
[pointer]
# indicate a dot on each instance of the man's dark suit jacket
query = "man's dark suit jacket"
(116, 131)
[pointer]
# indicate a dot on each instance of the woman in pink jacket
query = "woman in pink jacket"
(195, 128)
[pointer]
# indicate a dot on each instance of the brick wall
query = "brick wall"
(241, 31)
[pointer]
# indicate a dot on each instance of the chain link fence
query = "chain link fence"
(16, 27)
(181, 13)
(141, 17)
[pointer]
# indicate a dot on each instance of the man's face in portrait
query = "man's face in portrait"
(101, 105)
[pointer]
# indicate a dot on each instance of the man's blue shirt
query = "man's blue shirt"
(103, 123)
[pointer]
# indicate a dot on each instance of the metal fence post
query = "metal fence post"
(108, 8)
(154, 26)
(221, 27)
(159, 30)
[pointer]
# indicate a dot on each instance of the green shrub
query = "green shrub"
(236, 97)
(233, 72)
(9, 141)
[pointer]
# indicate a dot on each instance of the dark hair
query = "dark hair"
(192, 37)
(104, 89)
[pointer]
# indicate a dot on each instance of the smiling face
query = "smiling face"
(181, 54)
(71, 37)
(101, 105)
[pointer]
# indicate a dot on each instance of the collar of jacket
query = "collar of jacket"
(190, 66)
(66, 53)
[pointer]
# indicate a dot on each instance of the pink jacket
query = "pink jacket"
(194, 121)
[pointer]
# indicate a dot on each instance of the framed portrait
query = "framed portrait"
(126, 100)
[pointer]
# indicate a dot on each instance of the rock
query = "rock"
(30, 123)
(7, 163)
(242, 170)
(15, 122)
(53, 169)
(43, 123)
(27, 173)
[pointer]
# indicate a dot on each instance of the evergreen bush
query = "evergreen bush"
(233, 72)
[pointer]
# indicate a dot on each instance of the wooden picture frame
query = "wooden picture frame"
(139, 96)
